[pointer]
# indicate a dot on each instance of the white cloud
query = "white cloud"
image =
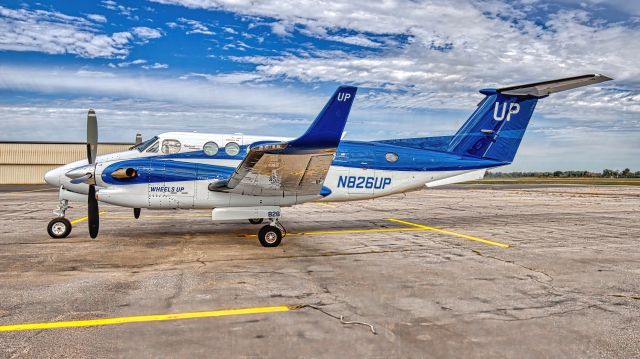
(435, 55)
(121, 9)
(97, 18)
(146, 33)
(188, 90)
(56, 33)
(195, 26)
(129, 63)
(155, 66)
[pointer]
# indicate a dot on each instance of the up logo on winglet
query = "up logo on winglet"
(343, 96)
(514, 108)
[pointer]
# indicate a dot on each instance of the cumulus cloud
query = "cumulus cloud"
(155, 66)
(193, 26)
(435, 55)
(146, 33)
(97, 18)
(57, 33)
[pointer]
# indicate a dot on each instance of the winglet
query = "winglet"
(326, 130)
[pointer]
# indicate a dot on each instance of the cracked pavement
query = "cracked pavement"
(568, 287)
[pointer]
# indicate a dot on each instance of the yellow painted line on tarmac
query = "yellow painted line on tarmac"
(324, 204)
(143, 318)
(452, 233)
(84, 218)
(371, 230)
(349, 231)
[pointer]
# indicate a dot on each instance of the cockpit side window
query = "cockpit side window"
(144, 145)
(170, 146)
(154, 148)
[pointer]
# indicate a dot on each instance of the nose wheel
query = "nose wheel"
(59, 228)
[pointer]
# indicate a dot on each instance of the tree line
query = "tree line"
(606, 173)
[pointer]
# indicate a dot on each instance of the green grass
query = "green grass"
(556, 180)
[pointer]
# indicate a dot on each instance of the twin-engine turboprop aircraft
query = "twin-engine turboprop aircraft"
(244, 177)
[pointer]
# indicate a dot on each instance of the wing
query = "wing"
(541, 89)
(296, 167)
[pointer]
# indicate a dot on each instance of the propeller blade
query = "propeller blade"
(92, 136)
(94, 216)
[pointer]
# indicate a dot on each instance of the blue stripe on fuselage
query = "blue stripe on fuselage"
(353, 154)
(151, 170)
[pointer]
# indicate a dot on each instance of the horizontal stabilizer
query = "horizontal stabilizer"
(541, 89)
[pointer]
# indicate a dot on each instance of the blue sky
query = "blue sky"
(265, 67)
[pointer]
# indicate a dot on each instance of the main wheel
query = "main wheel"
(59, 228)
(270, 236)
(255, 220)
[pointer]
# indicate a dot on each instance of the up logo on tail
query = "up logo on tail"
(514, 108)
(343, 96)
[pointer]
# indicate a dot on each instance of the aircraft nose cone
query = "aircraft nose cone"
(53, 177)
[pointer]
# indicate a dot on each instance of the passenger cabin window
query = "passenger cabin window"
(391, 157)
(232, 148)
(154, 148)
(170, 146)
(210, 148)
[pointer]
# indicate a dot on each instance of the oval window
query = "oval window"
(232, 148)
(210, 148)
(391, 157)
(170, 146)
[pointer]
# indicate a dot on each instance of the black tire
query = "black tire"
(270, 236)
(59, 228)
(255, 220)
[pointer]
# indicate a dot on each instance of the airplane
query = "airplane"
(242, 177)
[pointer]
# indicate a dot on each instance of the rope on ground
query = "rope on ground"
(340, 318)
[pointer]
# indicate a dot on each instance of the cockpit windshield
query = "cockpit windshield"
(144, 145)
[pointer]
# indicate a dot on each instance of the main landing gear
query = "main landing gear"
(271, 235)
(60, 227)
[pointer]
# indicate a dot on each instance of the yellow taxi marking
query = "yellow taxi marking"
(84, 218)
(452, 233)
(324, 204)
(143, 318)
(413, 227)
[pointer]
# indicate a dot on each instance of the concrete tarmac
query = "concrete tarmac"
(464, 271)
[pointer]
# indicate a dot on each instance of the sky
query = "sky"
(267, 68)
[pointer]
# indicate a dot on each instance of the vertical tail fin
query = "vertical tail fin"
(496, 127)
(326, 130)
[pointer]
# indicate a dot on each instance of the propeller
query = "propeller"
(92, 150)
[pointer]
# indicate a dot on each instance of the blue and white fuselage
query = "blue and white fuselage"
(359, 170)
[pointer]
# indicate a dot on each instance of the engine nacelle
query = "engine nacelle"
(238, 213)
(133, 196)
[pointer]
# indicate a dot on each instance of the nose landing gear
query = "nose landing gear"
(60, 227)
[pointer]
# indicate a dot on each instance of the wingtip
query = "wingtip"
(603, 77)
